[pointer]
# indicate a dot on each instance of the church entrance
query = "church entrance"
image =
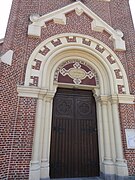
(74, 138)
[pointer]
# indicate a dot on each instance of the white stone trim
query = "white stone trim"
(30, 91)
(60, 19)
(59, 16)
(1, 41)
(126, 98)
(106, 95)
(108, 164)
(35, 163)
(7, 57)
(78, 45)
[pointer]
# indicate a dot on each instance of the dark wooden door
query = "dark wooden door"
(74, 139)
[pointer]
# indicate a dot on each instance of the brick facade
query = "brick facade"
(128, 122)
(1, 43)
(17, 115)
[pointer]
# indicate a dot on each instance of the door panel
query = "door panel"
(74, 143)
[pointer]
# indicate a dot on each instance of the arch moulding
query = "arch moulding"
(112, 88)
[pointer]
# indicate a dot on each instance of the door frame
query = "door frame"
(73, 94)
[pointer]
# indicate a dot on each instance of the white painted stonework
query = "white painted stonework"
(68, 46)
(7, 57)
(59, 16)
(106, 95)
(1, 41)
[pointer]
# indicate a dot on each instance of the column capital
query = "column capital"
(40, 97)
(113, 99)
(103, 99)
(96, 93)
(49, 96)
(42, 93)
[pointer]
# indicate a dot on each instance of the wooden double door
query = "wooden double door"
(74, 139)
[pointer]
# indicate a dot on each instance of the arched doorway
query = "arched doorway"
(74, 138)
(41, 82)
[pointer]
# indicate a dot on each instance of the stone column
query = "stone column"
(108, 164)
(99, 125)
(35, 163)
(121, 164)
(111, 131)
(107, 149)
(100, 132)
(42, 128)
(47, 136)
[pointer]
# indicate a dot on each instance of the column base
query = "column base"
(34, 173)
(45, 169)
(115, 177)
(121, 168)
(115, 171)
(108, 167)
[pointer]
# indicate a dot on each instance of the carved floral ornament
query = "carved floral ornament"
(76, 72)
(59, 17)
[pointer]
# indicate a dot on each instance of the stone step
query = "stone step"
(86, 178)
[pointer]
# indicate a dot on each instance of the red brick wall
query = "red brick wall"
(8, 106)
(127, 116)
(15, 124)
(21, 149)
(121, 19)
(17, 127)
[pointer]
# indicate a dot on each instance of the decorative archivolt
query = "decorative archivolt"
(59, 17)
(37, 73)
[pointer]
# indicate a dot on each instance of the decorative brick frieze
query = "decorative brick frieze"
(34, 81)
(37, 64)
(71, 39)
(86, 41)
(56, 42)
(118, 73)
(111, 59)
(99, 48)
(44, 50)
(77, 39)
(121, 89)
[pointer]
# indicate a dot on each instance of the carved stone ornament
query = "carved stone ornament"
(78, 72)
